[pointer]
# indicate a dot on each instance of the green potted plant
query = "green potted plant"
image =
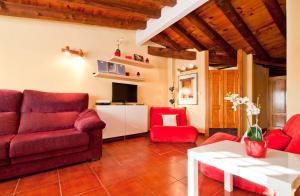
(253, 137)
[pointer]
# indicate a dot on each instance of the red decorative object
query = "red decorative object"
(256, 149)
(118, 52)
(181, 133)
(128, 57)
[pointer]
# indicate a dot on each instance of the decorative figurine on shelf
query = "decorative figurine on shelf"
(118, 51)
(172, 99)
(127, 73)
(138, 74)
(147, 60)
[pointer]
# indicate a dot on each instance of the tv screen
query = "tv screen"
(125, 93)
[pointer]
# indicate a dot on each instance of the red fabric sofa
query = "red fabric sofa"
(40, 131)
(180, 133)
(286, 139)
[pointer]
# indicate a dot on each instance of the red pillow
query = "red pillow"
(277, 140)
(294, 145)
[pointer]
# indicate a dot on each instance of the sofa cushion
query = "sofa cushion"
(277, 140)
(221, 137)
(294, 145)
(10, 103)
(42, 142)
(9, 122)
(173, 134)
(4, 146)
(36, 101)
(292, 125)
(38, 122)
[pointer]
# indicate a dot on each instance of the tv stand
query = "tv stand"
(123, 120)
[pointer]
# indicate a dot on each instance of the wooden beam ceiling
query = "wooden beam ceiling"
(189, 38)
(168, 42)
(211, 33)
(149, 9)
(242, 27)
(41, 12)
(277, 15)
(170, 53)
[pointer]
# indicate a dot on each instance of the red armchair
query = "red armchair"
(180, 133)
(286, 139)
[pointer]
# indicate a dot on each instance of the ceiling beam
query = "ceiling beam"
(130, 6)
(221, 59)
(170, 53)
(279, 63)
(42, 12)
(212, 34)
(169, 16)
(170, 3)
(166, 41)
(189, 38)
(242, 27)
(277, 15)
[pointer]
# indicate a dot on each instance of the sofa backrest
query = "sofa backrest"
(157, 112)
(44, 111)
(10, 103)
(293, 125)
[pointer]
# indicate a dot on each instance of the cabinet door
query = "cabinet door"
(216, 99)
(230, 85)
(136, 119)
(114, 117)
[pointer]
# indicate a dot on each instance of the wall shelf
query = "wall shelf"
(119, 77)
(132, 62)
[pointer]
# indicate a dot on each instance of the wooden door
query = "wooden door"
(231, 119)
(277, 94)
(216, 99)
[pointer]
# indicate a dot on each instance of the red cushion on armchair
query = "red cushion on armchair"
(294, 145)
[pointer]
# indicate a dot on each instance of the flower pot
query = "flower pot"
(256, 149)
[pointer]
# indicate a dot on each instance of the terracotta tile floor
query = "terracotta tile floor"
(131, 167)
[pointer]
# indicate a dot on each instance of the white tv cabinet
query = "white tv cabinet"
(123, 120)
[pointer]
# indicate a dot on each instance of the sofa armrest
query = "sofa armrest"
(89, 120)
(221, 137)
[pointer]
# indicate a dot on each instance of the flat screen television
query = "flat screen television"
(125, 93)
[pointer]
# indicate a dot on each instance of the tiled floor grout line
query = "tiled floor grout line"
(15, 190)
(99, 180)
(59, 183)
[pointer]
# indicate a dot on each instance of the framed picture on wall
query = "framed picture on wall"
(188, 89)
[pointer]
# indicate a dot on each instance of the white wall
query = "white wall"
(196, 113)
(293, 58)
(31, 58)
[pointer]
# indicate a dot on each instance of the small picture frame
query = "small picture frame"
(112, 68)
(121, 69)
(138, 57)
(102, 66)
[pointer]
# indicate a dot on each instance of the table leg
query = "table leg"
(228, 182)
(192, 177)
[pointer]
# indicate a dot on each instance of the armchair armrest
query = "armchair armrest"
(89, 120)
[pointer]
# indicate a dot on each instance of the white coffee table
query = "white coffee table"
(279, 171)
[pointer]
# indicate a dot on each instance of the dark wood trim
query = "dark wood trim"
(279, 63)
(212, 34)
(277, 15)
(170, 53)
(242, 27)
(221, 59)
(189, 38)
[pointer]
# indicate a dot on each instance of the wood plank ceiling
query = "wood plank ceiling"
(224, 26)
(126, 14)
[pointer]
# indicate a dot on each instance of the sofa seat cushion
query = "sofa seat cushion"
(4, 146)
(37, 122)
(42, 142)
(173, 134)
(277, 140)
(221, 137)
